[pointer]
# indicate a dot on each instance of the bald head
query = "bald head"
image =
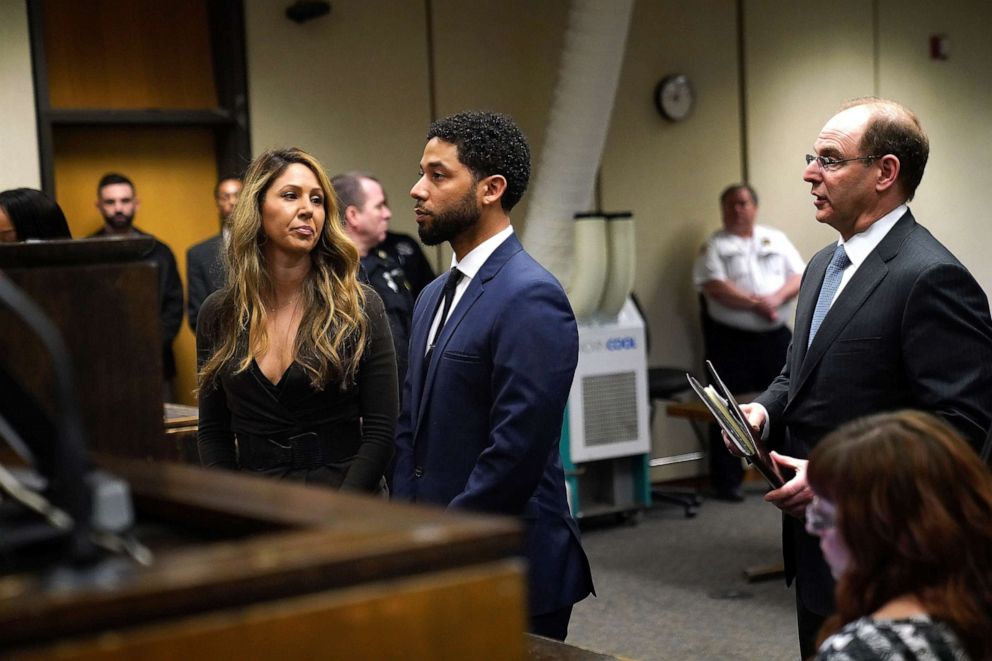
(892, 128)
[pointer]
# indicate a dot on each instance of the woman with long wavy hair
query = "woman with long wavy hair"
(903, 509)
(296, 365)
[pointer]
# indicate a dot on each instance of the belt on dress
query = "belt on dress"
(300, 450)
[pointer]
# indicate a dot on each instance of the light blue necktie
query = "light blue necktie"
(831, 280)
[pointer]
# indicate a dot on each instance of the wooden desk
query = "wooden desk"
(696, 413)
(693, 410)
(180, 417)
(181, 423)
(249, 567)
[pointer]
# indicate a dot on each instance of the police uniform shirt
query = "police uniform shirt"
(387, 278)
(759, 264)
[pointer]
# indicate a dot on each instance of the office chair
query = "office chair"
(667, 383)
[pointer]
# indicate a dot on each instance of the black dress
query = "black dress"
(338, 438)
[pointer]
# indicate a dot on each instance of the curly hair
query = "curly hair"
(914, 508)
(332, 334)
(489, 143)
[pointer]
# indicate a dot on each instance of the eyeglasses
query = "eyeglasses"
(820, 516)
(833, 164)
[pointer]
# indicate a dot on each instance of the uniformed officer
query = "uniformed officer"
(746, 275)
(390, 282)
(365, 214)
(405, 251)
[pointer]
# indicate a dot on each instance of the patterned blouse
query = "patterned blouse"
(916, 638)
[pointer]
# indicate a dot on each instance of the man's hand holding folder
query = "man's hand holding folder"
(756, 417)
(742, 436)
(737, 428)
(793, 496)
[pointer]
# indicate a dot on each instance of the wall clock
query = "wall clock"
(674, 97)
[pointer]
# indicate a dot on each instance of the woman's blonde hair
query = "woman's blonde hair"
(333, 330)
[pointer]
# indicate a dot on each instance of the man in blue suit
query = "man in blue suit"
(493, 350)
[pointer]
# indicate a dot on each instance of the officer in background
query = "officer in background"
(365, 215)
(746, 275)
(405, 251)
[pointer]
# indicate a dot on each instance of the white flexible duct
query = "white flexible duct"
(620, 273)
(591, 60)
(585, 291)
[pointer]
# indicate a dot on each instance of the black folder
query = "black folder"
(721, 403)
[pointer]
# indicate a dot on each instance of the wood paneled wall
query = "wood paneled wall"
(126, 54)
(173, 171)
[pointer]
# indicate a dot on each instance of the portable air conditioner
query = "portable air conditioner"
(606, 437)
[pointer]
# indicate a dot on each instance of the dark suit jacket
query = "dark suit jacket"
(481, 423)
(910, 330)
(204, 275)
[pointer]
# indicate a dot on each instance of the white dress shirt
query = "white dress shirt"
(469, 267)
(859, 246)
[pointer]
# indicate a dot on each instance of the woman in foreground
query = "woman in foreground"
(903, 509)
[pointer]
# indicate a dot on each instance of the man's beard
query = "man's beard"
(119, 221)
(446, 225)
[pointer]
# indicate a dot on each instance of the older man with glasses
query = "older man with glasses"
(887, 318)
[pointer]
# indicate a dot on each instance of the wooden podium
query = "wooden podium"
(247, 567)
(102, 296)
(244, 567)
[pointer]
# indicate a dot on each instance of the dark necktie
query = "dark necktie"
(831, 280)
(448, 295)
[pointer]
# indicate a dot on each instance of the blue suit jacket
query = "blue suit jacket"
(481, 423)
